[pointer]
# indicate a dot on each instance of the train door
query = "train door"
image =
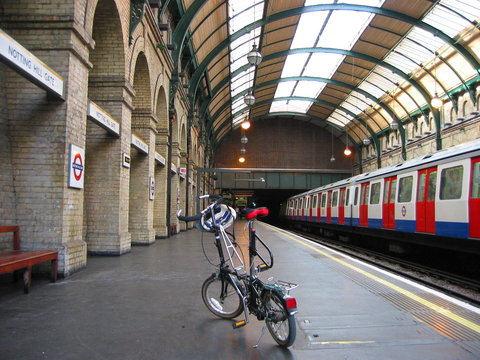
(388, 210)
(301, 210)
(341, 207)
(425, 208)
(365, 187)
(474, 201)
(329, 206)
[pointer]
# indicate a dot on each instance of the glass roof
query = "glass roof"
(242, 13)
(320, 29)
(418, 49)
(400, 66)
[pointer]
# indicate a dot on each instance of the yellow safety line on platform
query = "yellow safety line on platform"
(467, 323)
(341, 342)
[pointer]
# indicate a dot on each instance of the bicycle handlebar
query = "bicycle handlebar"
(216, 199)
(188, 218)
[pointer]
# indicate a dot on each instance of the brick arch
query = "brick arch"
(183, 137)
(161, 108)
(141, 84)
(108, 55)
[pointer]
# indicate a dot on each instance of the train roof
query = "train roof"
(438, 156)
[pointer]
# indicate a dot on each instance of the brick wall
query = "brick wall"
(283, 143)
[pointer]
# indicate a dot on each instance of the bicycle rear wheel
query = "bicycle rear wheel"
(220, 297)
(280, 323)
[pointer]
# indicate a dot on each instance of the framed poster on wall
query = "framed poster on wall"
(76, 167)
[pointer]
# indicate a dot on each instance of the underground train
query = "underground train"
(433, 200)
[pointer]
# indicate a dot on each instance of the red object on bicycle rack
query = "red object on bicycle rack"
(263, 211)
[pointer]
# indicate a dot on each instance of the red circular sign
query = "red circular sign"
(77, 167)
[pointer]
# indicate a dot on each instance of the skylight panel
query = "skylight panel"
(448, 21)
(285, 89)
(294, 65)
(308, 88)
(299, 106)
(323, 65)
(321, 29)
(337, 35)
(309, 26)
(241, 14)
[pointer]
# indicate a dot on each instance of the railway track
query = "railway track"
(458, 286)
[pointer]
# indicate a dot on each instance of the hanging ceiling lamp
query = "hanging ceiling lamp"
(436, 102)
(332, 159)
(366, 141)
(249, 99)
(241, 159)
(245, 124)
(394, 125)
(254, 57)
(347, 151)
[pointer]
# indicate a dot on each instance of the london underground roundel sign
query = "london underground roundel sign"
(76, 167)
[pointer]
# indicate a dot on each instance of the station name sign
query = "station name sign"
(102, 118)
(23, 61)
(139, 144)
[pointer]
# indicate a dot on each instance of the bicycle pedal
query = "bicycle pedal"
(239, 324)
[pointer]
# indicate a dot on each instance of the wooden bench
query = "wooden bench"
(12, 261)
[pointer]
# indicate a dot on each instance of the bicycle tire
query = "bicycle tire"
(226, 307)
(280, 323)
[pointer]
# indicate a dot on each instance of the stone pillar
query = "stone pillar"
(141, 170)
(175, 193)
(160, 203)
(107, 181)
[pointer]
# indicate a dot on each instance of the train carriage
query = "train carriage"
(435, 197)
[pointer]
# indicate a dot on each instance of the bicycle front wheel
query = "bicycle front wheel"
(280, 323)
(221, 298)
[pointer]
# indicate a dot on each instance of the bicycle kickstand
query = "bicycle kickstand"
(260, 338)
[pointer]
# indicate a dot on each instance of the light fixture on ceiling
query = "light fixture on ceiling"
(249, 99)
(332, 159)
(436, 102)
(366, 141)
(245, 124)
(243, 150)
(243, 139)
(394, 125)
(254, 57)
(347, 151)
(241, 159)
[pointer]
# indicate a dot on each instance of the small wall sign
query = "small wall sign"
(151, 188)
(125, 161)
(76, 167)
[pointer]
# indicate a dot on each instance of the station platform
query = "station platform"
(147, 305)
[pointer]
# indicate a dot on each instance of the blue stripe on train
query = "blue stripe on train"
(452, 229)
(375, 223)
(406, 225)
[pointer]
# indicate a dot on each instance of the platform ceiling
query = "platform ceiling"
(350, 66)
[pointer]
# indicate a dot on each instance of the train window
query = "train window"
(324, 199)
(307, 203)
(421, 187)
(405, 189)
(347, 197)
(342, 197)
(476, 181)
(296, 204)
(315, 200)
(300, 204)
(375, 193)
(364, 195)
(432, 186)
(335, 198)
(451, 183)
(385, 191)
(393, 191)
(355, 198)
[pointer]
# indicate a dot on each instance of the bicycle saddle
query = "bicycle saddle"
(255, 213)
